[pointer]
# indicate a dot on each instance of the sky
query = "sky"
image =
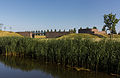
(28, 15)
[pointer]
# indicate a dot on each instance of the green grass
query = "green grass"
(81, 35)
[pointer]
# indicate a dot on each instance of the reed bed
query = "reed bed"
(103, 55)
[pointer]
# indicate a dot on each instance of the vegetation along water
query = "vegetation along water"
(103, 55)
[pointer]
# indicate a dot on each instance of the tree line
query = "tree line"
(43, 32)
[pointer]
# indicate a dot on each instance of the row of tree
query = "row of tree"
(70, 30)
(89, 28)
(42, 32)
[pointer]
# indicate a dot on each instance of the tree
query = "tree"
(59, 30)
(39, 32)
(47, 30)
(71, 30)
(80, 27)
(44, 32)
(103, 29)
(51, 30)
(87, 28)
(110, 21)
(64, 30)
(94, 27)
(74, 31)
(36, 32)
(55, 30)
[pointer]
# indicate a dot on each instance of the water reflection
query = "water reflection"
(17, 67)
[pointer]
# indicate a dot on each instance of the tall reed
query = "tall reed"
(102, 55)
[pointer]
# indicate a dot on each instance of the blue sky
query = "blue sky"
(56, 14)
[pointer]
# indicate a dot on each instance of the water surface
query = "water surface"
(16, 67)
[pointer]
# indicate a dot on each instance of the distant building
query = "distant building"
(26, 34)
(91, 31)
(55, 34)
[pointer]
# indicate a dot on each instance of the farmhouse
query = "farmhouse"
(91, 31)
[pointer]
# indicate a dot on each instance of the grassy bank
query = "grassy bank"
(82, 35)
(10, 34)
(103, 55)
(85, 35)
